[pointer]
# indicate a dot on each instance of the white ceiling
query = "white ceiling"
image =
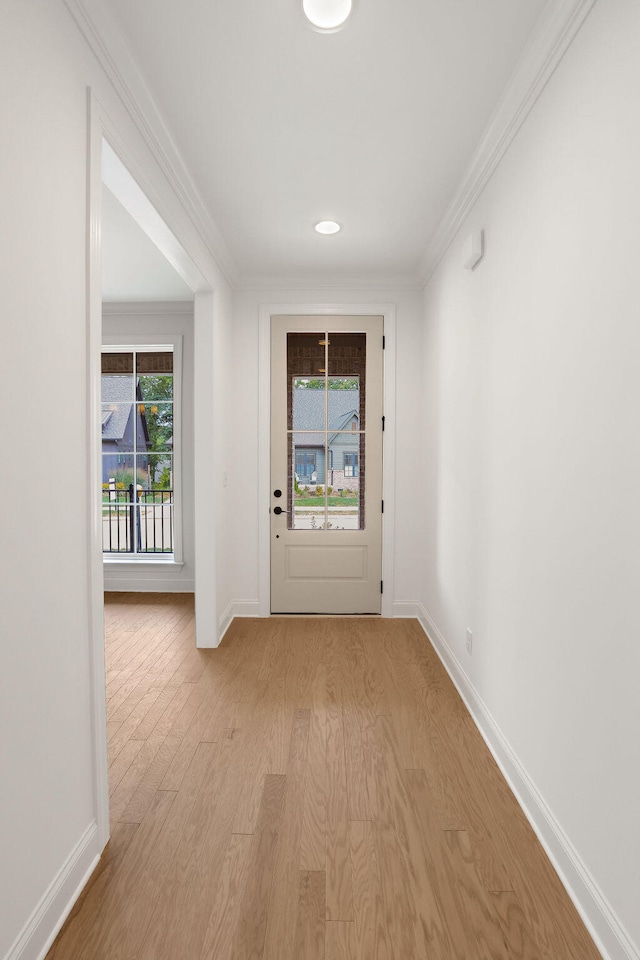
(281, 126)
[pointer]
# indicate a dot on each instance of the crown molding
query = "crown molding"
(558, 25)
(114, 56)
(336, 282)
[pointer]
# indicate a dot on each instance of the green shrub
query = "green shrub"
(329, 491)
(124, 477)
(164, 480)
(319, 492)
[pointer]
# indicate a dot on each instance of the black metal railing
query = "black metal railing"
(137, 518)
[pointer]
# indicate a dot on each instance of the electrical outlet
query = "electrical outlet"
(469, 640)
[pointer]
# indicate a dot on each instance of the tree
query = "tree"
(334, 383)
(156, 393)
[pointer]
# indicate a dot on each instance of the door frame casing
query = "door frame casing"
(184, 258)
(388, 312)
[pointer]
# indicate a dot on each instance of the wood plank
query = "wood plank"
(338, 861)
(283, 906)
(314, 826)
(252, 924)
(340, 941)
(520, 942)
(221, 928)
(119, 766)
(310, 932)
(182, 910)
(370, 930)
(359, 806)
(478, 908)
(142, 798)
(398, 893)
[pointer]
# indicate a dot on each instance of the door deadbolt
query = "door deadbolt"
(277, 493)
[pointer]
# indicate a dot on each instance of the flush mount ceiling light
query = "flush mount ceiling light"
(327, 15)
(327, 227)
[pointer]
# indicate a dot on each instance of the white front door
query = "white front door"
(326, 464)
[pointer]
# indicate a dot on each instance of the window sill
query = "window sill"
(121, 561)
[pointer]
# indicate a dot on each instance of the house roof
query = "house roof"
(308, 412)
(116, 405)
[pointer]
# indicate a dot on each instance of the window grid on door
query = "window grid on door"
(332, 363)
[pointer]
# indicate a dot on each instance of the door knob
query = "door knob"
(279, 510)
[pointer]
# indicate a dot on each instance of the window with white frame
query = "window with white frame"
(140, 465)
(351, 465)
(305, 463)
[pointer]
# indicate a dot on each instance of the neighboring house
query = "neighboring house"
(118, 417)
(343, 468)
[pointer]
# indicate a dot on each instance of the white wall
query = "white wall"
(228, 383)
(151, 323)
(243, 469)
(133, 268)
(533, 453)
(48, 831)
(46, 768)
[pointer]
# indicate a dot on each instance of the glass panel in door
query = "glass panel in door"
(326, 430)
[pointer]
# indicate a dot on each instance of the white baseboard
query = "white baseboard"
(237, 608)
(606, 929)
(147, 585)
(405, 608)
(46, 920)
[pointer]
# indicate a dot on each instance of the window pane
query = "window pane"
(344, 404)
(157, 428)
(117, 475)
(343, 509)
(117, 470)
(116, 525)
(347, 359)
(117, 363)
(156, 363)
(308, 404)
(309, 478)
(158, 388)
(117, 428)
(347, 367)
(155, 506)
(159, 471)
(306, 369)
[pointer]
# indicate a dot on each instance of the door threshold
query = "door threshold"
(326, 615)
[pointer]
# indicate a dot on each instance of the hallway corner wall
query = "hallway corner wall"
(49, 831)
(532, 452)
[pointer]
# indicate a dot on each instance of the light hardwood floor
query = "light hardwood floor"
(314, 788)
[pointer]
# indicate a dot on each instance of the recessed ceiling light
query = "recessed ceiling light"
(327, 15)
(327, 226)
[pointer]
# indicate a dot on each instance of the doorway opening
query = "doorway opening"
(143, 251)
